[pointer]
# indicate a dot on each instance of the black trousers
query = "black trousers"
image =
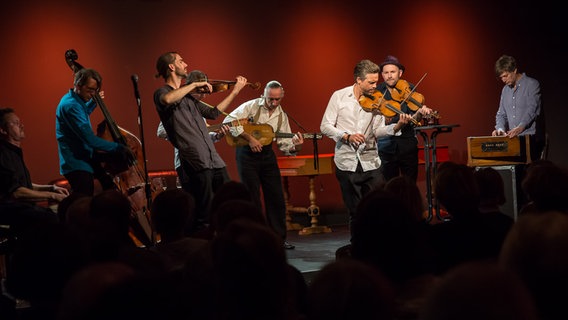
(354, 185)
(84, 182)
(202, 185)
(401, 158)
(260, 170)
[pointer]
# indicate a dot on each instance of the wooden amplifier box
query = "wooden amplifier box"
(497, 151)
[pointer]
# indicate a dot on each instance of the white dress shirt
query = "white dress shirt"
(344, 115)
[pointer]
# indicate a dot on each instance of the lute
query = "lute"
(265, 135)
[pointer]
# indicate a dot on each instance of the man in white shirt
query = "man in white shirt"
(355, 131)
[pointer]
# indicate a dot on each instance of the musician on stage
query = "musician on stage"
(182, 117)
(216, 136)
(15, 180)
(520, 112)
(257, 163)
(355, 132)
(399, 154)
(80, 150)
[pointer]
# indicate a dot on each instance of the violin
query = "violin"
(377, 102)
(414, 100)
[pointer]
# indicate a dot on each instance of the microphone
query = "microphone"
(134, 79)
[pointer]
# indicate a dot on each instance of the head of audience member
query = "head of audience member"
(111, 210)
(128, 294)
(546, 184)
(46, 256)
(491, 189)
(456, 189)
(409, 193)
(350, 289)
(77, 213)
(172, 210)
(479, 290)
(535, 249)
(231, 210)
(252, 272)
(65, 204)
(230, 190)
(387, 236)
(86, 287)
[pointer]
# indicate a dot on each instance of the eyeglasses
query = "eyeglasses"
(16, 123)
(274, 99)
(90, 89)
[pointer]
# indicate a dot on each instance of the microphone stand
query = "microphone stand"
(314, 140)
(147, 187)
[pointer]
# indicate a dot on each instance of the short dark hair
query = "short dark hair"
(505, 63)
(3, 113)
(163, 63)
(83, 75)
(363, 68)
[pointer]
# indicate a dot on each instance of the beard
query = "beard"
(181, 73)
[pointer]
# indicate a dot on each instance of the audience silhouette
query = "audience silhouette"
(467, 236)
(350, 289)
(535, 249)
(545, 186)
(83, 263)
(172, 212)
(479, 290)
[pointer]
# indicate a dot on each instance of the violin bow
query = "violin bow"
(414, 89)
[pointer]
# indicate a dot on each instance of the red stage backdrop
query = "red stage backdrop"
(311, 47)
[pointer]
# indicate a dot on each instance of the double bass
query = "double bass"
(128, 175)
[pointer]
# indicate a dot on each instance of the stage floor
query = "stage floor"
(313, 251)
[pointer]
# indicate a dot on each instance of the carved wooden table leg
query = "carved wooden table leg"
(313, 211)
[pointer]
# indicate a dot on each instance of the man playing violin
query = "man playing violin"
(355, 131)
(193, 76)
(182, 116)
(399, 154)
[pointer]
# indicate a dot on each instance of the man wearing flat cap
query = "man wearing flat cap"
(399, 154)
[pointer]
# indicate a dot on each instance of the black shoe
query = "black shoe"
(288, 246)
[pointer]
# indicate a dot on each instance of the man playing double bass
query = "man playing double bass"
(399, 154)
(80, 150)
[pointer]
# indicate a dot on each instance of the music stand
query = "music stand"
(431, 165)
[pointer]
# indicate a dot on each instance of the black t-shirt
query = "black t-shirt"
(13, 171)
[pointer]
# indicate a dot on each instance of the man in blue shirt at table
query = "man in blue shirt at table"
(520, 112)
